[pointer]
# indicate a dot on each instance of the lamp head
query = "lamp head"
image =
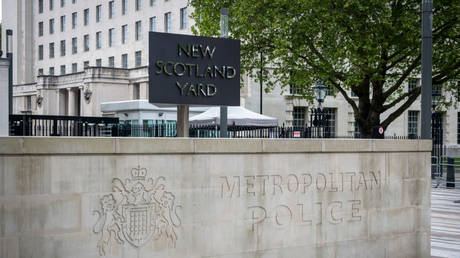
(9, 41)
(319, 91)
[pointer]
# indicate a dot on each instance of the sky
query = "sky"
(1, 3)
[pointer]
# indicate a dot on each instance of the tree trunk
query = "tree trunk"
(367, 119)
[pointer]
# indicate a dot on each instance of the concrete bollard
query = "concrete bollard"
(450, 179)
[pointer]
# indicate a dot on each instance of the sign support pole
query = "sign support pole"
(183, 123)
(223, 34)
(427, 49)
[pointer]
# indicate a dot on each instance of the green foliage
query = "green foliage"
(369, 46)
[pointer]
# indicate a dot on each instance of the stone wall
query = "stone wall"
(80, 197)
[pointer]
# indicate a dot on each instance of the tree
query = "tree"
(370, 47)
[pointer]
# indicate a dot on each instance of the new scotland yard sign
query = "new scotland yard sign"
(193, 70)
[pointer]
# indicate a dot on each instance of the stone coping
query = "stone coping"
(93, 145)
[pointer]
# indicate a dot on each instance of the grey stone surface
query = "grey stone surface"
(213, 198)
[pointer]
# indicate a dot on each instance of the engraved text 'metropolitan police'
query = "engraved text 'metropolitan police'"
(138, 210)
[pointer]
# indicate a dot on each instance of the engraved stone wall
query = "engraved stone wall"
(100, 197)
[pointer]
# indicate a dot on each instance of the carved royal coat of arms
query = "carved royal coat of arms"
(138, 210)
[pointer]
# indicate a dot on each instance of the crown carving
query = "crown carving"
(138, 173)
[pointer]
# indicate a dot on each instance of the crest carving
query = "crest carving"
(138, 210)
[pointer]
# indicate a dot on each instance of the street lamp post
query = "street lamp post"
(9, 55)
(317, 116)
(223, 109)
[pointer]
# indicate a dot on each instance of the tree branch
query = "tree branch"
(400, 110)
(403, 77)
(415, 91)
(345, 95)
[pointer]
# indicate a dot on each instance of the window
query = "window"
(124, 61)
(28, 103)
(153, 23)
(51, 26)
(458, 128)
(62, 23)
(74, 20)
(40, 6)
(111, 9)
(74, 1)
(136, 91)
(168, 22)
(111, 37)
(62, 47)
(294, 90)
(98, 13)
(51, 50)
(412, 84)
(86, 17)
(62, 3)
(357, 132)
(98, 40)
(436, 94)
(152, 2)
(124, 7)
(86, 43)
(62, 69)
(138, 30)
(183, 18)
(138, 5)
(40, 52)
(99, 62)
(298, 117)
(51, 71)
(51, 5)
(412, 123)
(74, 46)
(138, 56)
(331, 117)
(74, 67)
(112, 61)
(40, 29)
(86, 64)
(124, 33)
(40, 71)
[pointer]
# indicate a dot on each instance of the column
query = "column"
(71, 102)
(4, 64)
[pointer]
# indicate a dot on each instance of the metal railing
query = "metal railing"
(39, 125)
(45, 125)
(445, 172)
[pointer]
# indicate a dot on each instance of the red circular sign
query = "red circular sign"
(381, 130)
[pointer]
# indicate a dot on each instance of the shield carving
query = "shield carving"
(139, 223)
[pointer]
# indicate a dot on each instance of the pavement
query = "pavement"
(445, 223)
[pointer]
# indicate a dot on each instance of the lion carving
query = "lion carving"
(107, 223)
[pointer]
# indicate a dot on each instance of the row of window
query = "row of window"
(124, 5)
(98, 63)
(167, 20)
(51, 4)
(86, 39)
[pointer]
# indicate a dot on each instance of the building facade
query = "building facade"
(70, 56)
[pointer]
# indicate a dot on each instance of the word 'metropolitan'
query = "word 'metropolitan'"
(185, 69)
